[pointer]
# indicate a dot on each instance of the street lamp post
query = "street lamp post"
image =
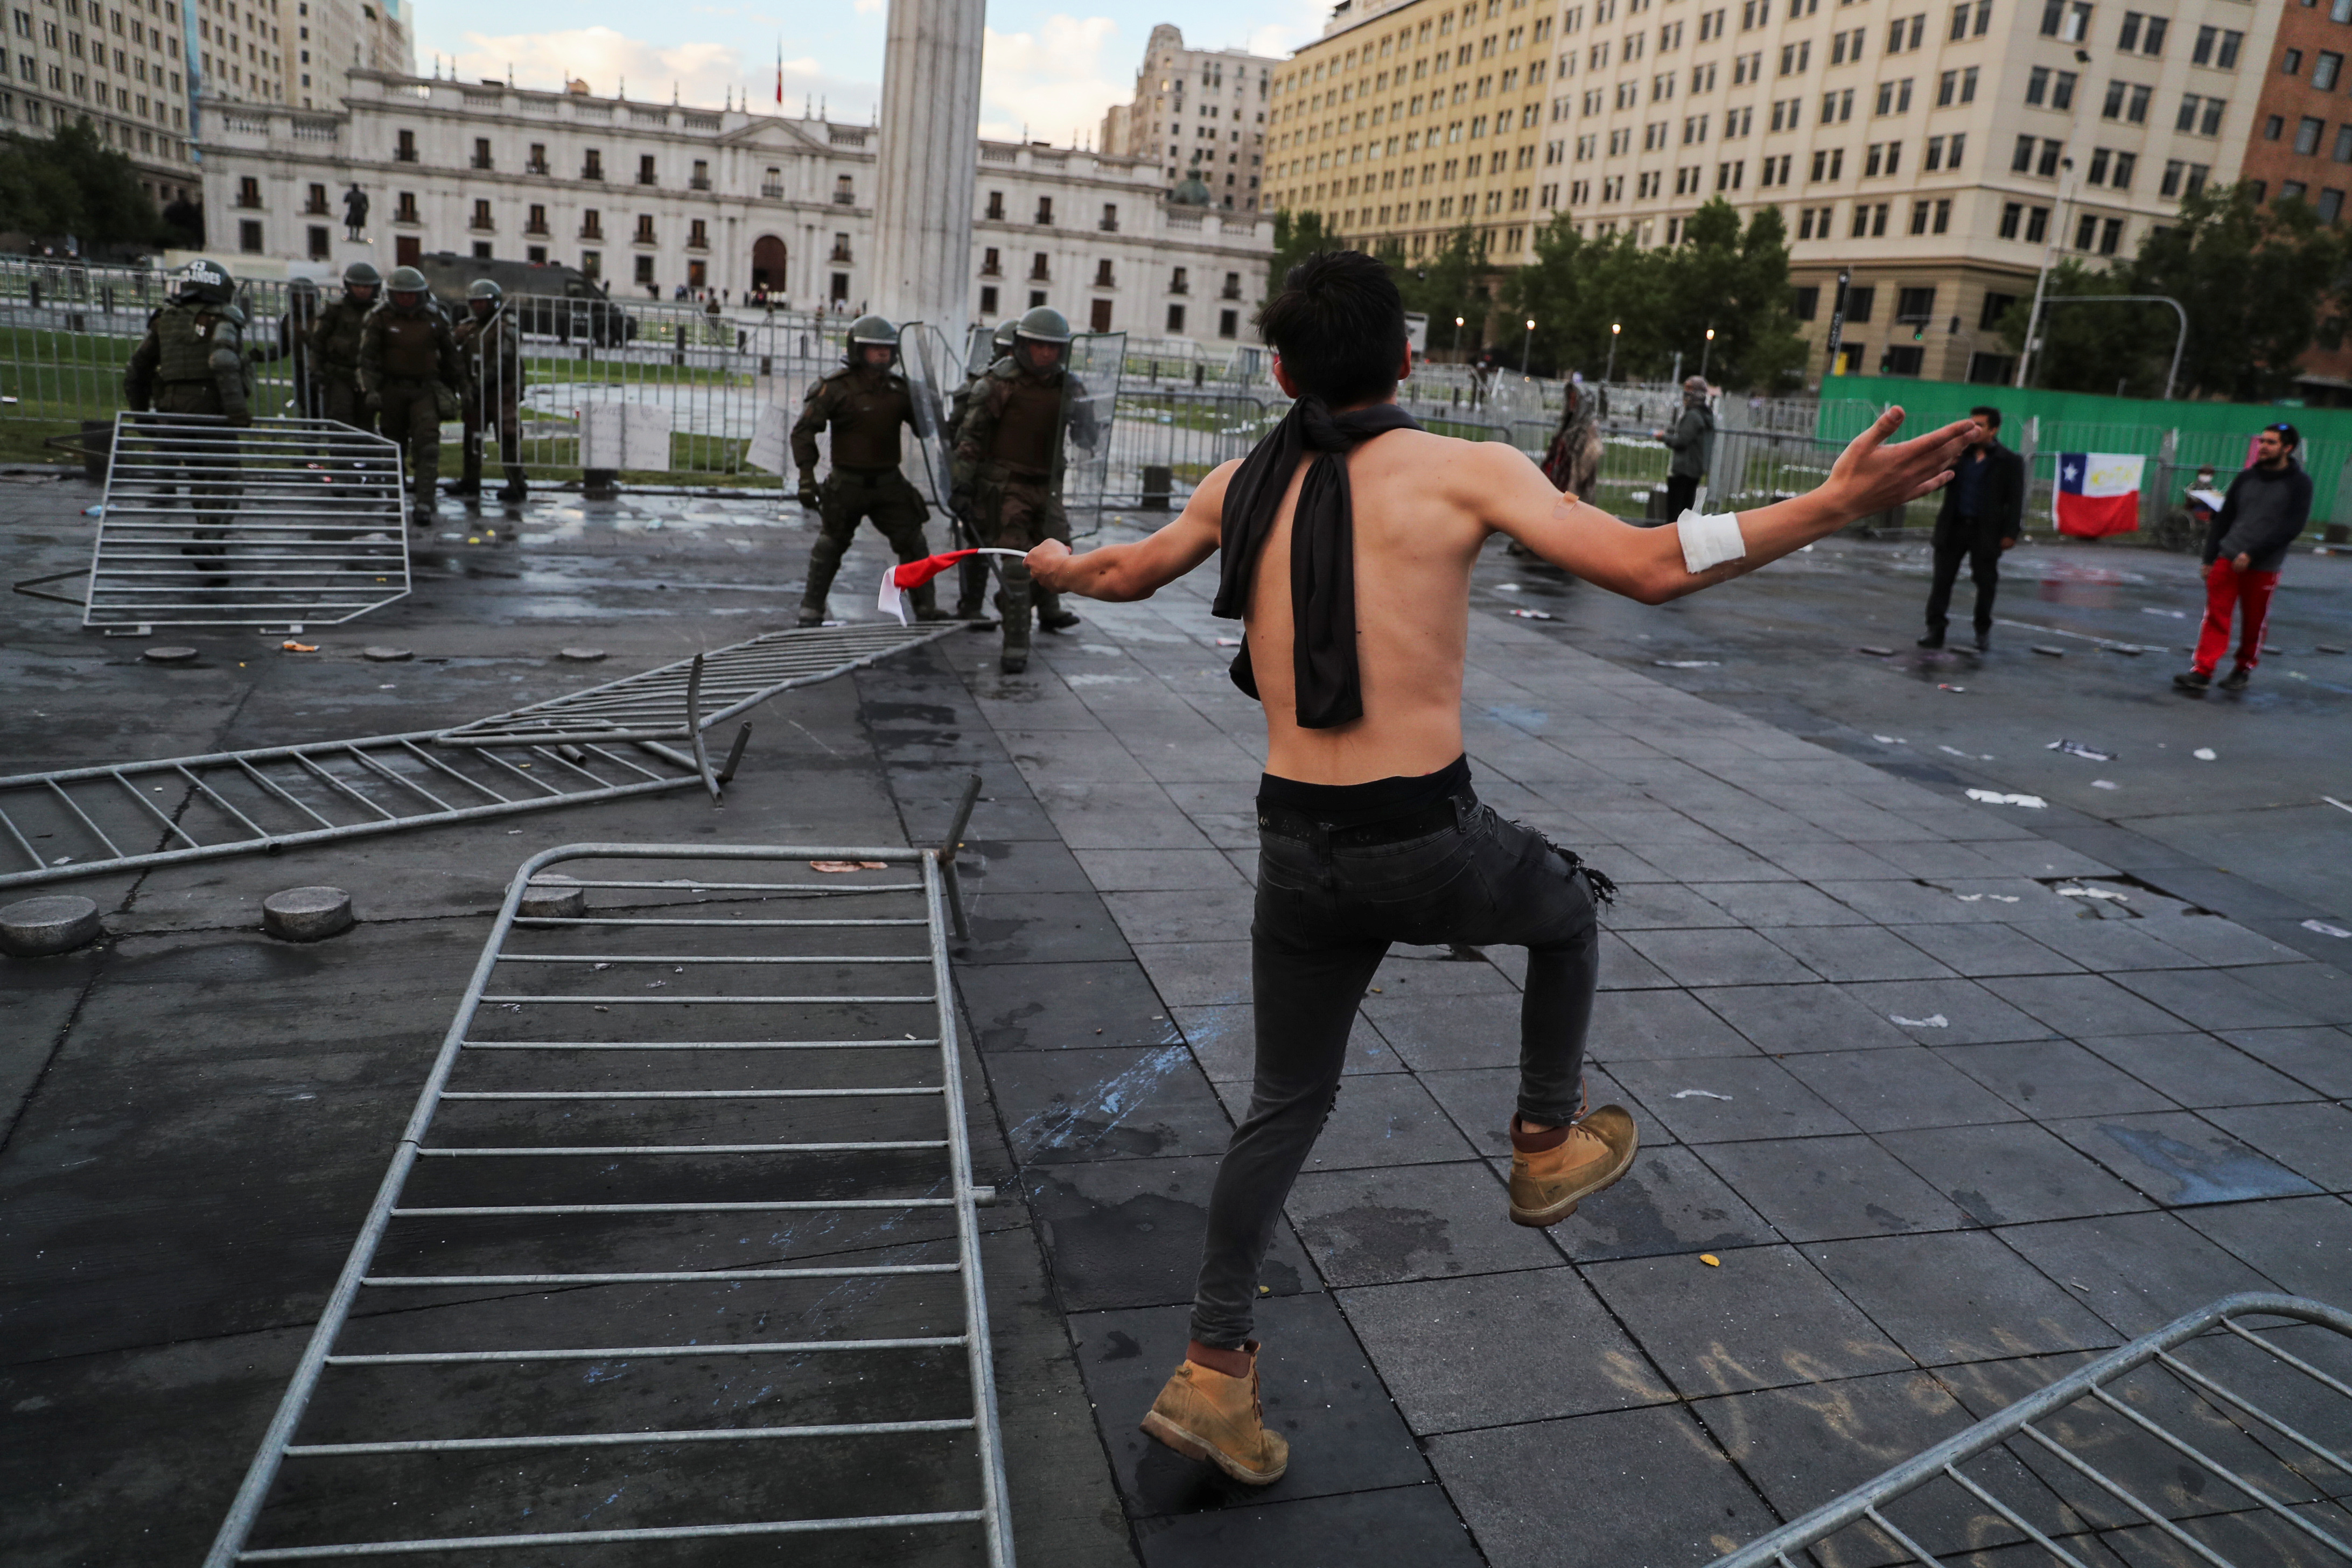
(1611, 373)
(1528, 345)
(1704, 352)
(1457, 339)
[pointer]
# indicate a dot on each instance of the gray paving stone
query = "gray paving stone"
(1045, 927)
(2304, 1244)
(1426, 971)
(2106, 946)
(1972, 1014)
(1058, 1006)
(1904, 904)
(1909, 1086)
(2197, 1070)
(1958, 1295)
(1726, 1098)
(1772, 905)
(1495, 1350)
(1651, 1026)
(1660, 906)
(1481, 1101)
(2320, 1057)
(1002, 869)
(2139, 1272)
(1198, 973)
(1183, 914)
(1374, 1227)
(1816, 861)
(2081, 1004)
(1764, 1318)
(1670, 1201)
(1938, 860)
(1593, 1485)
(2225, 998)
(1410, 1526)
(1821, 1189)
(2181, 1160)
(2211, 940)
(2010, 1174)
(1059, 1107)
(2313, 1141)
(1225, 1041)
(1780, 1019)
(1123, 870)
(1718, 958)
(2055, 1078)
(1318, 1391)
(1982, 950)
(1711, 863)
(1861, 952)
(1128, 1233)
(1378, 1121)
(1436, 1034)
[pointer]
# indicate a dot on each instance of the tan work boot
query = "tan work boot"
(1553, 1170)
(1202, 1413)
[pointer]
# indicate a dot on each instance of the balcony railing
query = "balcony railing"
(840, 252)
(1230, 291)
(482, 223)
(591, 171)
(537, 166)
(537, 225)
(646, 177)
(771, 192)
(592, 231)
(248, 201)
(405, 215)
(1039, 275)
(845, 199)
(482, 161)
(990, 269)
(1108, 225)
(1180, 287)
(698, 183)
(697, 242)
(314, 209)
(403, 154)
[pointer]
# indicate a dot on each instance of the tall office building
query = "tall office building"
(1934, 154)
(1198, 114)
(125, 67)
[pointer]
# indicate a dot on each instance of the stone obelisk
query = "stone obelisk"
(929, 162)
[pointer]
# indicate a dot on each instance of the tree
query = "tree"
(2260, 283)
(73, 183)
(1297, 237)
(1451, 282)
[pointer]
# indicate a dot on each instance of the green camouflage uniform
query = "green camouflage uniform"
(971, 575)
(865, 406)
(1011, 451)
(335, 358)
(490, 353)
(408, 360)
(192, 360)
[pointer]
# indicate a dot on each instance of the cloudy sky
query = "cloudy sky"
(1049, 68)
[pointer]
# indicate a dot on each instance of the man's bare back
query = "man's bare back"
(1424, 507)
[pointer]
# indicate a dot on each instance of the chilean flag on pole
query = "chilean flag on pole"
(915, 573)
(2097, 493)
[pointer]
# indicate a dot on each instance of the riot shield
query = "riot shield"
(928, 363)
(1096, 362)
(979, 349)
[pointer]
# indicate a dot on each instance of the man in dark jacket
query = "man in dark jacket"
(1689, 440)
(1983, 511)
(2267, 505)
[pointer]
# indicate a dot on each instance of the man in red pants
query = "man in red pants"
(2267, 507)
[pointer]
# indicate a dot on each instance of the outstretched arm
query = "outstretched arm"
(1139, 570)
(1647, 564)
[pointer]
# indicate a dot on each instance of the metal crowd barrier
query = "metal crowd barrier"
(2098, 1452)
(680, 1243)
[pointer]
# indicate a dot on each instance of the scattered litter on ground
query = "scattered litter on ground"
(1509, 588)
(2108, 894)
(386, 654)
(848, 865)
(2152, 610)
(93, 512)
(1877, 652)
(1688, 663)
(1229, 642)
(1979, 898)
(2326, 648)
(1932, 1021)
(1533, 614)
(1709, 1258)
(1947, 685)
(2048, 651)
(2336, 803)
(169, 655)
(1995, 797)
(2104, 784)
(2203, 753)
(2324, 929)
(290, 645)
(1698, 1094)
(2076, 749)
(1890, 739)
(579, 655)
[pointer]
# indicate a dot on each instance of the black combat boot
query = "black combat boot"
(517, 489)
(1014, 602)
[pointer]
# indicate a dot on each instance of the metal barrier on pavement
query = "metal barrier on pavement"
(681, 1133)
(2283, 1485)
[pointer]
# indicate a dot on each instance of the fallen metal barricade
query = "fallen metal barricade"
(284, 523)
(84, 822)
(616, 1209)
(2287, 1470)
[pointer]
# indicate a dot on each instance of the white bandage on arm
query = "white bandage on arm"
(1709, 540)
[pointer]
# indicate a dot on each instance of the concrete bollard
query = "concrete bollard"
(37, 928)
(307, 914)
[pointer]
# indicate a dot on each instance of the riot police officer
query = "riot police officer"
(335, 347)
(192, 360)
(1014, 444)
(865, 403)
(409, 370)
(490, 348)
(971, 575)
(292, 346)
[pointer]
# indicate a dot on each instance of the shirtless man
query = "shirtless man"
(1368, 830)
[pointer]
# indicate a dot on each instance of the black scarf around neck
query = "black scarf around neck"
(1322, 550)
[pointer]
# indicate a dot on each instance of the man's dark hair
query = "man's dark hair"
(1987, 413)
(1339, 325)
(2289, 437)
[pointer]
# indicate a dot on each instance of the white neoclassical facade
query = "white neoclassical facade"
(653, 197)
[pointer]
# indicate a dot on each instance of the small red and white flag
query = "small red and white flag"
(2097, 493)
(915, 573)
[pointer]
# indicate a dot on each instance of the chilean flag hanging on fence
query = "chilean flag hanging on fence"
(2097, 493)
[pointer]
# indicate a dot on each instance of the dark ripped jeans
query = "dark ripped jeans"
(1325, 917)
